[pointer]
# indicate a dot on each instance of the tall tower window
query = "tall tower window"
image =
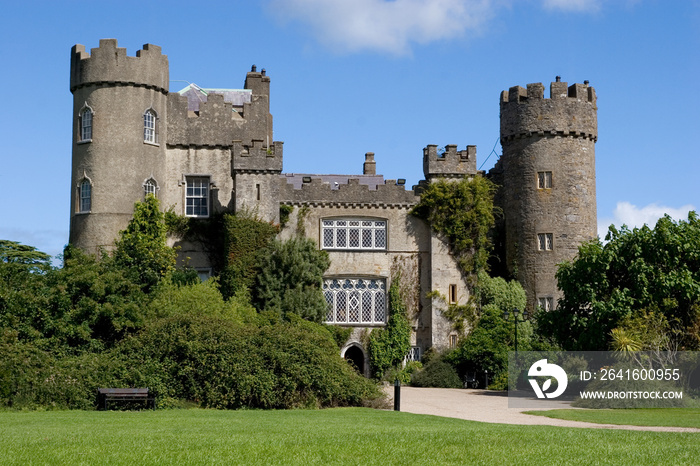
(85, 121)
(85, 196)
(544, 180)
(149, 126)
(545, 241)
(197, 197)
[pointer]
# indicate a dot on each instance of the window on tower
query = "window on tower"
(545, 241)
(85, 196)
(544, 180)
(150, 134)
(85, 124)
(546, 303)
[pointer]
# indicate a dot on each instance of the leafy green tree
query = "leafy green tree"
(12, 252)
(635, 272)
(486, 346)
(142, 248)
(291, 278)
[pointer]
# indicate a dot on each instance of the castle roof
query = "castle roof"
(195, 95)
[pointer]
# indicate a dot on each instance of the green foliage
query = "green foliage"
(486, 347)
(463, 212)
(16, 253)
(285, 212)
(142, 248)
(245, 240)
(389, 346)
(290, 279)
(436, 373)
(637, 272)
(220, 364)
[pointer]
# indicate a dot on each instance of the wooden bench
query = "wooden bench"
(105, 395)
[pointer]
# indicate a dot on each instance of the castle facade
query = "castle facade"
(205, 151)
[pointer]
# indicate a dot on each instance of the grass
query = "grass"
(668, 417)
(333, 436)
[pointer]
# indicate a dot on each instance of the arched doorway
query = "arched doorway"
(356, 357)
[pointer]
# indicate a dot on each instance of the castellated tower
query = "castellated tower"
(547, 173)
(111, 167)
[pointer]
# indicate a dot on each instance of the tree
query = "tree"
(12, 252)
(290, 279)
(142, 248)
(636, 272)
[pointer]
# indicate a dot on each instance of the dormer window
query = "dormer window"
(150, 134)
(85, 124)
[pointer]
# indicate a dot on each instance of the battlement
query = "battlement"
(258, 82)
(449, 163)
(256, 156)
(570, 111)
(353, 191)
(109, 65)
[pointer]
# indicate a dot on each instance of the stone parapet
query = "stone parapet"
(315, 191)
(571, 111)
(109, 65)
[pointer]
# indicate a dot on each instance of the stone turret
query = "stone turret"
(547, 172)
(115, 157)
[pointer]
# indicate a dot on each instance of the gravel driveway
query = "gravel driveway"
(491, 406)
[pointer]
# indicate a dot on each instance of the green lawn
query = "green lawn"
(677, 417)
(333, 436)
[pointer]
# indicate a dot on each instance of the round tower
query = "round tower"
(119, 134)
(548, 177)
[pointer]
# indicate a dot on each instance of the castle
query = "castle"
(204, 151)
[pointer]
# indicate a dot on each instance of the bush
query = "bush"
(218, 363)
(436, 373)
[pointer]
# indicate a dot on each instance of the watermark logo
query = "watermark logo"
(543, 369)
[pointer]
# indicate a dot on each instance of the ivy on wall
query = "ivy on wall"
(389, 346)
(463, 212)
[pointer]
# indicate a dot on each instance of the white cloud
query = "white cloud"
(629, 214)
(385, 26)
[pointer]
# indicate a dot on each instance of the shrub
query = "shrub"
(436, 373)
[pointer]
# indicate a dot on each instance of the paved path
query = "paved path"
(491, 406)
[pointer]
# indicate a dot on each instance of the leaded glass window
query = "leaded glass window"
(355, 301)
(149, 187)
(353, 234)
(545, 241)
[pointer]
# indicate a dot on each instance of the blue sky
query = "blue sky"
(389, 77)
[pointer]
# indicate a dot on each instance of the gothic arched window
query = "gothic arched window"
(85, 123)
(85, 196)
(149, 126)
(150, 187)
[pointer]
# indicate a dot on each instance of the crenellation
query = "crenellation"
(449, 163)
(109, 63)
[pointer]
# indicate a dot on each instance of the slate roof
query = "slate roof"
(196, 94)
